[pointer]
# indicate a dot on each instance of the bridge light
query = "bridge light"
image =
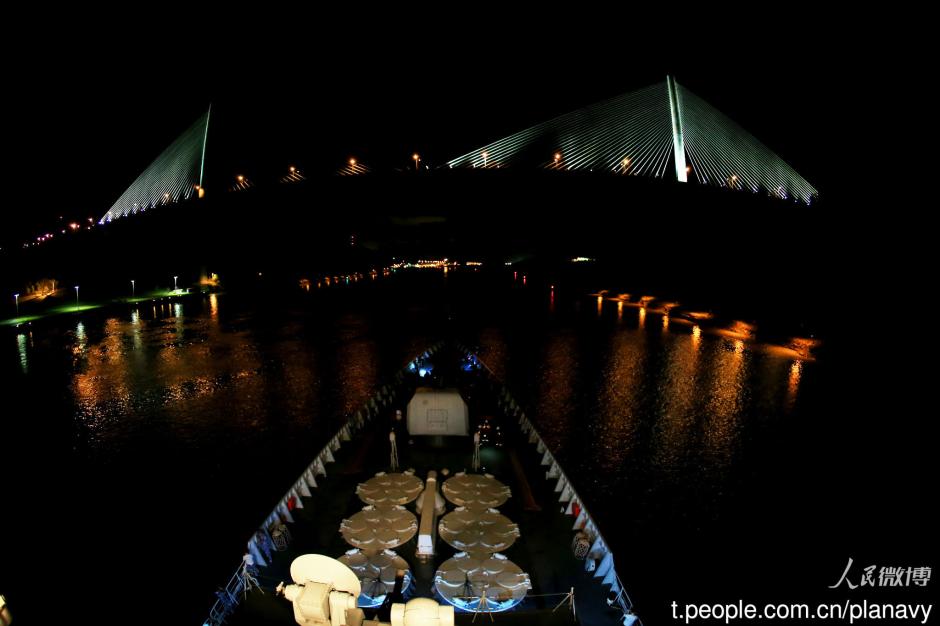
(240, 178)
(292, 169)
(416, 158)
(688, 169)
(352, 162)
(557, 157)
(484, 157)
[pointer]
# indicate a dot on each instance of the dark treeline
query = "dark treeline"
(750, 255)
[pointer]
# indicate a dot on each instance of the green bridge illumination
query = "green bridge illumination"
(89, 306)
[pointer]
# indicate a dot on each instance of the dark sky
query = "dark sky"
(88, 118)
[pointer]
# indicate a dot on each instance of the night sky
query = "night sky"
(88, 122)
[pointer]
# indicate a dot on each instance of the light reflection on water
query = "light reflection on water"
(620, 399)
(198, 395)
(356, 360)
(81, 339)
(21, 346)
(556, 402)
(655, 415)
(793, 381)
(188, 374)
(493, 344)
(676, 409)
(724, 405)
(627, 395)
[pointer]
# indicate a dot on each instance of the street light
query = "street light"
(174, 283)
(557, 158)
(416, 158)
(626, 164)
(76, 295)
(133, 289)
(16, 301)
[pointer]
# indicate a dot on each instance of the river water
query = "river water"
(150, 442)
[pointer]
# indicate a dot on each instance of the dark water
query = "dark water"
(145, 445)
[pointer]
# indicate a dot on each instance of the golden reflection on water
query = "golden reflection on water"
(620, 397)
(104, 373)
(555, 404)
(493, 350)
(793, 382)
(620, 310)
(642, 316)
(600, 304)
(725, 397)
(299, 379)
(357, 363)
(679, 389)
(153, 364)
(214, 307)
(666, 322)
(696, 338)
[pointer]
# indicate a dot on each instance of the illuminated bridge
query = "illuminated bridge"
(662, 131)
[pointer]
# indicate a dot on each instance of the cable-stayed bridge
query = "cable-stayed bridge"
(173, 176)
(661, 131)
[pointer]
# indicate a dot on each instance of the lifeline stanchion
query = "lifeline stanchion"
(569, 597)
(483, 606)
(476, 451)
(394, 451)
(249, 575)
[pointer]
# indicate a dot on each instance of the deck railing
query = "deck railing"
(600, 556)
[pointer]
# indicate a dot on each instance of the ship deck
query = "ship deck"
(543, 549)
